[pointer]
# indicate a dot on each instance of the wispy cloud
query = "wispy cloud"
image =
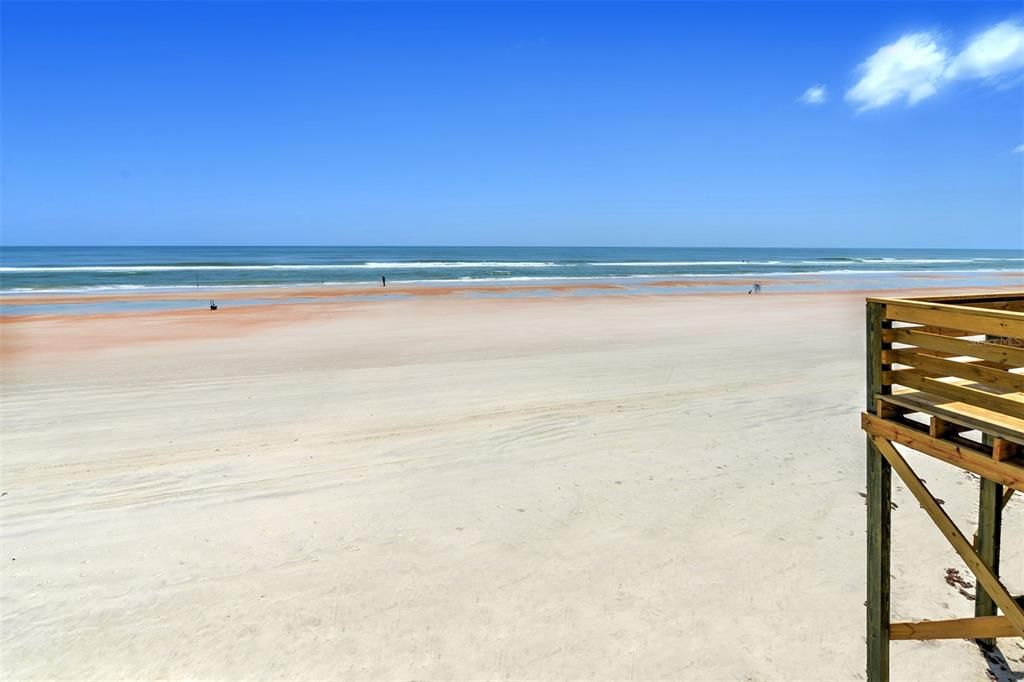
(1019, 149)
(992, 53)
(910, 69)
(917, 65)
(814, 95)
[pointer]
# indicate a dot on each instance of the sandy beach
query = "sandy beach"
(436, 487)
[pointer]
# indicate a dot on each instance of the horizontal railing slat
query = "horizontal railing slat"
(973, 299)
(1012, 356)
(977, 320)
(1006, 381)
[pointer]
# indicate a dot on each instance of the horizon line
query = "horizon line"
(492, 246)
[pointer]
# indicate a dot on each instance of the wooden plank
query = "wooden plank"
(975, 461)
(879, 510)
(1003, 380)
(973, 299)
(970, 416)
(1016, 306)
(893, 376)
(978, 320)
(1003, 450)
(1007, 494)
(912, 378)
(934, 330)
(1012, 304)
(887, 410)
(957, 628)
(960, 544)
(887, 357)
(942, 428)
(994, 364)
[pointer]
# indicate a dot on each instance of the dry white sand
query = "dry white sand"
(568, 488)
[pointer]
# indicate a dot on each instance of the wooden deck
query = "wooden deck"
(944, 378)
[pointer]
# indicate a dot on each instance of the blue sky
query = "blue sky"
(531, 123)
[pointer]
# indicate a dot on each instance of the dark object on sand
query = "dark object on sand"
(213, 306)
(383, 281)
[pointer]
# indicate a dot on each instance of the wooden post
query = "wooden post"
(990, 526)
(879, 492)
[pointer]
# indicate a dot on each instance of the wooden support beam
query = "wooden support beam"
(968, 416)
(972, 460)
(983, 575)
(958, 628)
(887, 410)
(1003, 450)
(879, 509)
(1007, 494)
(941, 428)
(987, 541)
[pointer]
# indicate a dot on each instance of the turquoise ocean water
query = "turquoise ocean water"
(26, 273)
(74, 269)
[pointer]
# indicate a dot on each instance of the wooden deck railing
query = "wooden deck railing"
(956, 351)
(944, 378)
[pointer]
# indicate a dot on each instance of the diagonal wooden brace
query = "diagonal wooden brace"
(963, 547)
(985, 627)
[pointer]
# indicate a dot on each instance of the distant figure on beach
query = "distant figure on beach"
(213, 306)
(757, 287)
(383, 281)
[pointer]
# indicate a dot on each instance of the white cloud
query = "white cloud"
(917, 65)
(816, 94)
(991, 53)
(1019, 149)
(910, 69)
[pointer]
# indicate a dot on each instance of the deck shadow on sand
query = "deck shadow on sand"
(998, 668)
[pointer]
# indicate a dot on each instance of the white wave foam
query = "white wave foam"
(683, 263)
(925, 261)
(523, 278)
(697, 275)
(837, 263)
(465, 264)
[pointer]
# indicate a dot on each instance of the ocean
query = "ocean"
(73, 269)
